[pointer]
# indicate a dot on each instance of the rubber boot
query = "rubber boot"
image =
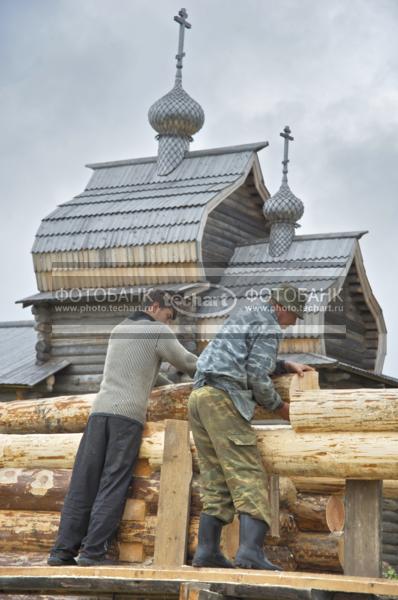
(208, 553)
(250, 554)
(56, 561)
(85, 561)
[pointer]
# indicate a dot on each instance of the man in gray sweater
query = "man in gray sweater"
(111, 441)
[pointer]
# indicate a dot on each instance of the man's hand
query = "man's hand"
(299, 368)
(283, 412)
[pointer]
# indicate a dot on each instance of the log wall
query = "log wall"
(35, 470)
(359, 338)
(235, 221)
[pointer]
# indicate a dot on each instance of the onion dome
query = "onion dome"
(176, 113)
(283, 210)
(176, 116)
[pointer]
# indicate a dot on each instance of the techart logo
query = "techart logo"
(215, 301)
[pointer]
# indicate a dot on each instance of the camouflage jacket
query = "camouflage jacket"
(240, 359)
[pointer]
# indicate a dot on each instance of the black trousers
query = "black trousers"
(97, 494)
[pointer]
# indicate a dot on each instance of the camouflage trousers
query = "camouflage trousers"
(232, 476)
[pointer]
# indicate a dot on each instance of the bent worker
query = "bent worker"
(233, 375)
(110, 444)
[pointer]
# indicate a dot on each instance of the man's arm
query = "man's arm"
(170, 350)
(260, 364)
(281, 367)
(299, 368)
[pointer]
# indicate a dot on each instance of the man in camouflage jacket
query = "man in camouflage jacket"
(232, 377)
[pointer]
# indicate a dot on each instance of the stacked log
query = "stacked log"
(360, 414)
(39, 439)
(38, 443)
(390, 531)
(69, 414)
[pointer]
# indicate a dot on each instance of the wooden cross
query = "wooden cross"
(182, 20)
(286, 135)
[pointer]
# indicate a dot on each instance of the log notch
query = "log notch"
(43, 327)
(335, 514)
(344, 410)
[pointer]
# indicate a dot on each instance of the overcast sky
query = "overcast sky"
(78, 76)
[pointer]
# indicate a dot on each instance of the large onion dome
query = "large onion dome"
(175, 116)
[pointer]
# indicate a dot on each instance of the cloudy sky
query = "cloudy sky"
(78, 76)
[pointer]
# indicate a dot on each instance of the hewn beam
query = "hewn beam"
(129, 580)
(174, 497)
(362, 531)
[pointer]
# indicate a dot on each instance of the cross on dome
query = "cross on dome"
(181, 18)
(176, 117)
(286, 135)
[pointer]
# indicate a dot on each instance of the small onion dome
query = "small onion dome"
(284, 206)
(282, 210)
(176, 113)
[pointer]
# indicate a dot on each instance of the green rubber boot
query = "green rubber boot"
(250, 554)
(208, 552)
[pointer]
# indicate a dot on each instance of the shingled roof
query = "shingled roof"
(312, 261)
(18, 356)
(126, 203)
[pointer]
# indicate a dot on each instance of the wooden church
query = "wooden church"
(203, 223)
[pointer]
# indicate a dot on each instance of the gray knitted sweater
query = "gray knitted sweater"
(135, 351)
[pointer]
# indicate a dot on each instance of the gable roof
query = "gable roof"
(126, 203)
(312, 261)
(18, 357)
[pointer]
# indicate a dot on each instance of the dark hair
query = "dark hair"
(163, 297)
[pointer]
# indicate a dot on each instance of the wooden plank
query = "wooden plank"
(274, 498)
(362, 536)
(174, 496)
(128, 579)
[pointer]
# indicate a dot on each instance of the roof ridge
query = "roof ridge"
(253, 147)
(313, 236)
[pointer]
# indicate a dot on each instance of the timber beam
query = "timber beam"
(146, 582)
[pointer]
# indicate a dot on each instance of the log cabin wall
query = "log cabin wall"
(237, 220)
(350, 312)
(80, 334)
(82, 339)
